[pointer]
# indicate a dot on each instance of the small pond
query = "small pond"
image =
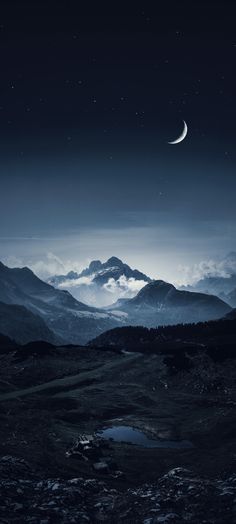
(130, 435)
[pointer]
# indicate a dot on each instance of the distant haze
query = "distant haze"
(57, 256)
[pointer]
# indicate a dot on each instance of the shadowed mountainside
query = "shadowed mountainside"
(20, 324)
(157, 303)
(70, 320)
(102, 283)
(160, 303)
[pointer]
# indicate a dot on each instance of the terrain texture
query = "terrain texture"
(56, 467)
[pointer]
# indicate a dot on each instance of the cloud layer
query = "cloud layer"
(224, 267)
(125, 286)
(50, 265)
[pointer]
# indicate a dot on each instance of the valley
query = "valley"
(54, 403)
(125, 413)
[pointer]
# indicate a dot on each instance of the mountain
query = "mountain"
(220, 279)
(6, 344)
(102, 283)
(22, 325)
(160, 303)
(231, 298)
(231, 315)
(71, 321)
(220, 286)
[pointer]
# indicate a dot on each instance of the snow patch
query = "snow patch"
(90, 314)
(119, 313)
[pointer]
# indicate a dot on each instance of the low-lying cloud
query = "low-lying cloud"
(76, 282)
(124, 285)
(88, 291)
(224, 267)
(50, 265)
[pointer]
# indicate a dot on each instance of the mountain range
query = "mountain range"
(69, 320)
(221, 280)
(56, 316)
(100, 284)
(223, 287)
(160, 303)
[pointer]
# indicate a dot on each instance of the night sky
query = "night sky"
(88, 102)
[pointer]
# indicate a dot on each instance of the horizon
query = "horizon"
(52, 266)
(89, 106)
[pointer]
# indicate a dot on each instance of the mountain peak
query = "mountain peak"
(95, 265)
(113, 261)
(26, 269)
(160, 284)
(155, 290)
(2, 266)
(102, 282)
(72, 274)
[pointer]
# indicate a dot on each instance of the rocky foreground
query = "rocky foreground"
(176, 497)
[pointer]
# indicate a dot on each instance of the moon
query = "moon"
(182, 136)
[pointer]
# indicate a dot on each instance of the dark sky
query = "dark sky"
(88, 102)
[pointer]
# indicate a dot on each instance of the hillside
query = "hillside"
(22, 325)
(160, 303)
(69, 320)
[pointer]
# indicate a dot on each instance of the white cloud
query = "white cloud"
(45, 267)
(124, 285)
(224, 267)
(88, 291)
(13, 261)
(75, 282)
(52, 265)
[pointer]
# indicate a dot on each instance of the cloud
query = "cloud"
(224, 267)
(75, 282)
(45, 267)
(12, 261)
(124, 285)
(52, 265)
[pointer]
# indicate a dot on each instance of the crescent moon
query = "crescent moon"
(182, 136)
